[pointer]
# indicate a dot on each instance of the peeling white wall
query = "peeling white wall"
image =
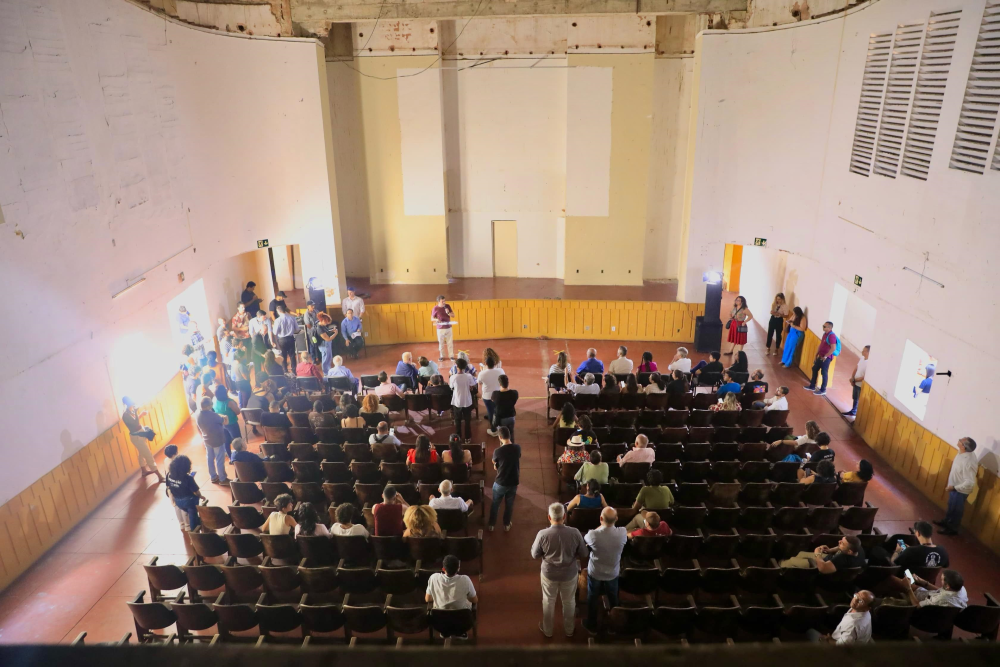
(776, 116)
(131, 146)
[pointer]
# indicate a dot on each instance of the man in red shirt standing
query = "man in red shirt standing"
(824, 355)
(441, 316)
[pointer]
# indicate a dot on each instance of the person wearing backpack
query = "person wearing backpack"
(829, 347)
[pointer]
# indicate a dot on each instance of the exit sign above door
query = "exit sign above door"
(760, 242)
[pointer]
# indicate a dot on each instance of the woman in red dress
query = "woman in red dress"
(739, 319)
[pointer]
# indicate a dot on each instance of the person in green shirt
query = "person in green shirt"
(653, 496)
(593, 469)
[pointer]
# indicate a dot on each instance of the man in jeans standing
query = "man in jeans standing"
(507, 463)
(211, 426)
(606, 544)
(961, 481)
(285, 327)
(441, 317)
(824, 355)
(560, 547)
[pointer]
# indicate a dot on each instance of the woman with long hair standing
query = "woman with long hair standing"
(775, 325)
(797, 324)
(739, 321)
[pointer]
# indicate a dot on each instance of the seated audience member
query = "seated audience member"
(339, 370)
(652, 526)
(567, 417)
(825, 474)
(436, 385)
(812, 430)
(241, 455)
(421, 521)
(261, 397)
(729, 386)
(383, 436)
(586, 431)
(371, 406)
(271, 365)
(407, 368)
(423, 452)
(446, 501)
(309, 523)
(426, 368)
(854, 628)
(632, 386)
(755, 386)
(574, 451)
(925, 554)
(591, 365)
(823, 440)
(657, 384)
(622, 365)
(388, 514)
(351, 418)
(640, 453)
(347, 400)
(560, 367)
(647, 365)
(588, 386)
(274, 416)
(345, 522)
(456, 453)
(450, 590)
(678, 384)
(386, 388)
(306, 368)
(741, 365)
(729, 403)
(777, 402)
(610, 385)
(319, 417)
(653, 496)
(680, 362)
(281, 521)
(183, 490)
(864, 473)
(712, 366)
(469, 370)
(594, 468)
(847, 554)
(948, 592)
(589, 497)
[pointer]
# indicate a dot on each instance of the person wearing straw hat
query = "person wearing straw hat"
(575, 451)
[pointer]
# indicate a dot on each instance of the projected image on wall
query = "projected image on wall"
(916, 377)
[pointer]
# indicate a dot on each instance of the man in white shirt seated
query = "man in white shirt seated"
(588, 386)
(383, 436)
(856, 625)
(641, 453)
(621, 365)
(680, 362)
(777, 402)
(450, 590)
(446, 501)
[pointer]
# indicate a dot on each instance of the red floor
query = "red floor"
(84, 582)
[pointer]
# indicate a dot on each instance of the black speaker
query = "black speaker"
(708, 329)
(713, 300)
(318, 295)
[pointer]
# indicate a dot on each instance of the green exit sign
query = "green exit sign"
(262, 243)
(760, 242)
(857, 280)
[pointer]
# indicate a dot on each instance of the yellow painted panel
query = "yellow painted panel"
(505, 248)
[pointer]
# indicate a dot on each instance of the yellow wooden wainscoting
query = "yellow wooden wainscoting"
(387, 324)
(925, 460)
(807, 355)
(35, 519)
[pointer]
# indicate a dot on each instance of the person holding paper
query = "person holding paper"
(350, 329)
(441, 316)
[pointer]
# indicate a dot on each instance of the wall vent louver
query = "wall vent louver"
(977, 123)
(903, 61)
(872, 90)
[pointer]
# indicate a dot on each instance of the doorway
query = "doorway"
(505, 248)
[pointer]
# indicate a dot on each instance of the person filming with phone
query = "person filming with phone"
(925, 554)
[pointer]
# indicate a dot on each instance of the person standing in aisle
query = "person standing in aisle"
(140, 436)
(507, 463)
(560, 547)
(441, 316)
(857, 377)
(353, 302)
(285, 328)
(779, 312)
(961, 482)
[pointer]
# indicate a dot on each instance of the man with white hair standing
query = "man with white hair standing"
(560, 548)
(446, 501)
(606, 544)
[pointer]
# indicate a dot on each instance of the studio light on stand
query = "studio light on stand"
(708, 328)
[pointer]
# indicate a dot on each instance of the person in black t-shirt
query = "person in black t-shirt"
(275, 417)
(507, 463)
(925, 554)
(756, 386)
(250, 301)
(503, 405)
(183, 489)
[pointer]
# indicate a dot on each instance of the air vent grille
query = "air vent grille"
(977, 123)
(872, 91)
(898, 94)
(932, 78)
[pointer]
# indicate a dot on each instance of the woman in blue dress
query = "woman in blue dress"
(796, 330)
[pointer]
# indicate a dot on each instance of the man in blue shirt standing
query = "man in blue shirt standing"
(285, 328)
(350, 329)
(591, 365)
(606, 544)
